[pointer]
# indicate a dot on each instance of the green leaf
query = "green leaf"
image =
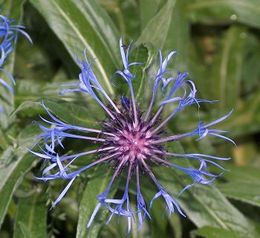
(246, 116)
(157, 28)
(158, 225)
(77, 114)
(27, 89)
(28, 108)
(228, 73)
(222, 77)
(143, 53)
(30, 94)
(213, 232)
(178, 37)
(95, 186)
(84, 25)
(224, 11)
(147, 11)
(206, 205)
(174, 35)
(31, 217)
(14, 163)
(242, 184)
(251, 71)
(14, 10)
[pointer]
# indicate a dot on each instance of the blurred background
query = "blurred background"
(217, 42)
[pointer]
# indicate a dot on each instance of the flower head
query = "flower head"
(8, 36)
(130, 139)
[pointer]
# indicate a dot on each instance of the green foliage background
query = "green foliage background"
(217, 43)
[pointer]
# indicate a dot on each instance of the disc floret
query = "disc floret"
(133, 140)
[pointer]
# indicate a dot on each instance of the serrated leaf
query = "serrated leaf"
(83, 25)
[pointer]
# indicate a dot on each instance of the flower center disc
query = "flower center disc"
(134, 144)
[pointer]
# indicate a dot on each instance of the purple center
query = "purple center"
(134, 142)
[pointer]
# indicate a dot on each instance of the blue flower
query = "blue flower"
(8, 37)
(130, 139)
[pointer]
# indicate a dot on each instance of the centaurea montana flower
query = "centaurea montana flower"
(8, 36)
(129, 139)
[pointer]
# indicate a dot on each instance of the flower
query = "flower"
(130, 139)
(8, 37)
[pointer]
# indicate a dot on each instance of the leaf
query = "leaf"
(13, 11)
(147, 11)
(32, 90)
(95, 186)
(174, 35)
(84, 25)
(30, 94)
(32, 107)
(31, 217)
(144, 54)
(101, 21)
(178, 37)
(213, 232)
(76, 114)
(242, 184)
(220, 79)
(176, 225)
(229, 71)
(251, 71)
(246, 116)
(125, 15)
(33, 63)
(159, 222)
(224, 11)
(13, 166)
(207, 206)
(157, 29)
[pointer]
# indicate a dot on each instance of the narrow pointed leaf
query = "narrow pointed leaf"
(83, 25)
(88, 203)
(157, 28)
